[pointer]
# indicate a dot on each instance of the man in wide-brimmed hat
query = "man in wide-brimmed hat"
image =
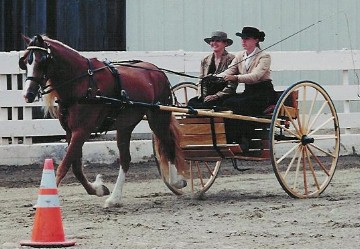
(212, 93)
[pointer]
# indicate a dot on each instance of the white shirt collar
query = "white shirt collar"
(249, 58)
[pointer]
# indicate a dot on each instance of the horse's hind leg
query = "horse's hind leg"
(171, 161)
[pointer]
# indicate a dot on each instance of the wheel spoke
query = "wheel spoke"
(186, 95)
(304, 171)
(280, 126)
(319, 162)
(317, 115)
(208, 168)
(303, 105)
(199, 174)
(291, 163)
(324, 137)
(297, 171)
(191, 177)
(183, 92)
(312, 169)
(292, 121)
(287, 153)
(322, 125)
(311, 110)
(322, 150)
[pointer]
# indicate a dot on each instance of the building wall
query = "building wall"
(159, 25)
(86, 25)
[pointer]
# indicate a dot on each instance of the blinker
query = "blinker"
(31, 57)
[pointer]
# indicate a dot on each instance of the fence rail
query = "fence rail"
(19, 123)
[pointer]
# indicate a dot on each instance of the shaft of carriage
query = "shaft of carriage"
(189, 110)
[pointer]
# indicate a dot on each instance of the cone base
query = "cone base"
(47, 244)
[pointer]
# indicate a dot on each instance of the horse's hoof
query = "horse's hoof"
(105, 189)
(110, 203)
(180, 184)
(100, 188)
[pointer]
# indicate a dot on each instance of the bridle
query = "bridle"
(45, 58)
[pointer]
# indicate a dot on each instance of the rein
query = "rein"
(89, 72)
(126, 64)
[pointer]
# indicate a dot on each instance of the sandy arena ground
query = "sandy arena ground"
(241, 210)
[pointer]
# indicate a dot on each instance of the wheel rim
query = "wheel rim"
(202, 175)
(182, 92)
(305, 147)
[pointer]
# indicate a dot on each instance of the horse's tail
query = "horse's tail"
(175, 154)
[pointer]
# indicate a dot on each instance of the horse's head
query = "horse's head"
(35, 61)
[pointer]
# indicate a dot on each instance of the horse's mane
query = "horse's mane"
(49, 99)
(53, 42)
(49, 103)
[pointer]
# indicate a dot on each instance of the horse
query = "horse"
(64, 76)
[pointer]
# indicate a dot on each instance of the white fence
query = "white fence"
(19, 127)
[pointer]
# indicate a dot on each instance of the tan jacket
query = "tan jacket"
(225, 61)
(258, 71)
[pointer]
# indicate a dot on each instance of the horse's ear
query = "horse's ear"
(26, 39)
(39, 38)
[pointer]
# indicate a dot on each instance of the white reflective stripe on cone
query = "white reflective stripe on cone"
(48, 179)
(47, 201)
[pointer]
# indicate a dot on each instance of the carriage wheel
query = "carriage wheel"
(304, 141)
(202, 175)
(182, 92)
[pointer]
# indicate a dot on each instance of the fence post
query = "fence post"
(345, 82)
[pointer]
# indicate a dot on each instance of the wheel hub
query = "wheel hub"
(306, 140)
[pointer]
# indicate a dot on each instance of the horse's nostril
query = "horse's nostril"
(29, 97)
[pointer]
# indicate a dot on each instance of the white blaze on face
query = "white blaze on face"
(29, 73)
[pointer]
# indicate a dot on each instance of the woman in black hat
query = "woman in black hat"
(252, 68)
(213, 93)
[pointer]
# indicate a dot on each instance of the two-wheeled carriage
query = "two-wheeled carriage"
(300, 135)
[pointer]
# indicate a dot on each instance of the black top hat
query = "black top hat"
(251, 32)
(219, 35)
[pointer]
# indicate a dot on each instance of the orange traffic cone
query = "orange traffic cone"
(48, 229)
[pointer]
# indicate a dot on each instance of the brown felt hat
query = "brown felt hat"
(219, 35)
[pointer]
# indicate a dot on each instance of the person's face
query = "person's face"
(249, 43)
(217, 45)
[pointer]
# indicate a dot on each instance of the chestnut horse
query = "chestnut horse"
(60, 73)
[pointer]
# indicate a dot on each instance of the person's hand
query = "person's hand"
(210, 77)
(230, 78)
(211, 98)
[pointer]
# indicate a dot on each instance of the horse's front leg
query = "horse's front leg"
(123, 143)
(73, 157)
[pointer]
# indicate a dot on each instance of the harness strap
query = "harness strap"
(116, 75)
(213, 136)
(72, 80)
(92, 84)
